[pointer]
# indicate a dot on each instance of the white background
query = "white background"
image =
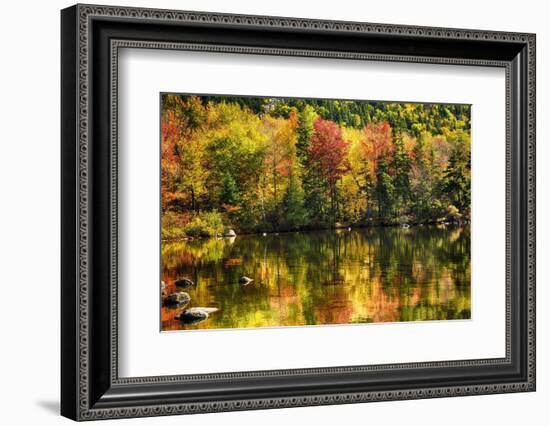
(29, 225)
(141, 345)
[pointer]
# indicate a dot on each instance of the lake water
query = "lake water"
(323, 277)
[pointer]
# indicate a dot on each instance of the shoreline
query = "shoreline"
(361, 226)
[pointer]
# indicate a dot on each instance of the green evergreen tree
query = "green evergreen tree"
(456, 181)
(304, 131)
(384, 190)
(294, 213)
(230, 191)
(402, 165)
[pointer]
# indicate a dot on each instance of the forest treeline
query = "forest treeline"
(279, 164)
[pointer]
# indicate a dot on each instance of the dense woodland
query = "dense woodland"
(279, 164)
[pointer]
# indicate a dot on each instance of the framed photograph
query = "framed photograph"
(263, 212)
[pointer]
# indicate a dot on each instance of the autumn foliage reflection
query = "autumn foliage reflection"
(325, 277)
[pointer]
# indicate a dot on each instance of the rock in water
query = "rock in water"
(177, 299)
(230, 233)
(195, 315)
(184, 283)
(245, 280)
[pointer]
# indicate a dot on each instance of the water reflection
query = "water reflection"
(323, 277)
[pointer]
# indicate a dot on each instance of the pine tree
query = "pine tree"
(304, 131)
(294, 213)
(384, 190)
(401, 164)
(456, 181)
(230, 192)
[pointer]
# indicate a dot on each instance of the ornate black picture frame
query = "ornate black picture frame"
(91, 36)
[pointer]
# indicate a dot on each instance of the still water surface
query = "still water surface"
(323, 277)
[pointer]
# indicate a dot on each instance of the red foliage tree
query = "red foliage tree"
(170, 132)
(328, 154)
(377, 144)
